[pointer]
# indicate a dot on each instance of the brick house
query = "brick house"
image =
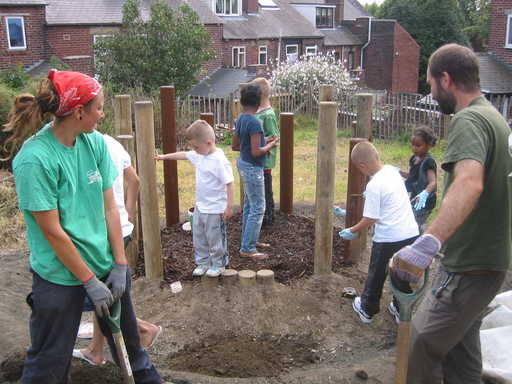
(247, 35)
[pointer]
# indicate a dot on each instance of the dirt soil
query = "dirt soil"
(300, 331)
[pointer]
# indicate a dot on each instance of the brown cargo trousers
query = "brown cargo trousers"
(445, 339)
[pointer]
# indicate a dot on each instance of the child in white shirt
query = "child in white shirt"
(214, 198)
(387, 206)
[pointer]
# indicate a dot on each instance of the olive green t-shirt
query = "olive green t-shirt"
(71, 180)
(479, 132)
(268, 120)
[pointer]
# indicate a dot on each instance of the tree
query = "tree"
(169, 48)
(477, 19)
(431, 23)
(373, 9)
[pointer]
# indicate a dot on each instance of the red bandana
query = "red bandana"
(74, 88)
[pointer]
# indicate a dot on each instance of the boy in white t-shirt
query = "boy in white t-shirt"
(387, 206)
(214, 198)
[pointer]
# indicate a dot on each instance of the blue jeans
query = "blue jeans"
(254, 204)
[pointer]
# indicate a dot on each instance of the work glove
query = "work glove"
(339, 211)
(117, 280)
(410, 262)
(100, 295)
(421, 200)
(347, 234)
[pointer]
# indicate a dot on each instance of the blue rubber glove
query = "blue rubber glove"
(410, 262)
(347, 234)
(421, 200)
(340, 211)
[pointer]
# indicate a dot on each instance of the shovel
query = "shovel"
(113, 322)
(406, 302)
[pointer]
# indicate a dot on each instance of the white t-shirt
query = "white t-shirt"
(121, 160)
(387, 201)
(213, 172)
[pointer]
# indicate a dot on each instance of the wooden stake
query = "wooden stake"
(326, 161)
(208, 117)
(265, 277)
(169, 143)
(286, 164)
(144, 127)
(247, 278)
(230, 277)
(364, 115)
(123, 115)
(327, 93)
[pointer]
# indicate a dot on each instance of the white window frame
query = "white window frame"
(22, 30)
(262, 50)
(311, 47)
(292, 57)
(508, 37)
(240, 51)
(231, 12)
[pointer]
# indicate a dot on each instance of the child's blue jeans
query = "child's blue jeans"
(254, 204)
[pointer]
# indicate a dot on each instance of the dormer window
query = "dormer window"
(508, 40)
(324, 17)
(16, 32)
(227, 7)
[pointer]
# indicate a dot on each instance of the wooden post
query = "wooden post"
(169, 144)
(364, 115)
(286, 164)
(132, 251)
(327, 93)
(355, 189)
(144, 127)
(123, 115)
(208, 117)
(326, 161)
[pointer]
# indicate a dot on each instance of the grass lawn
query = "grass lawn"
(396, 152)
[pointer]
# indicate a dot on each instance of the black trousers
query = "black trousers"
(268, 217)
(377, 273)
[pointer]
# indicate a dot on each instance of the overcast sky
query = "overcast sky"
(370, 1)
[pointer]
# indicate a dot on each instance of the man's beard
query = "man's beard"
(447, 102)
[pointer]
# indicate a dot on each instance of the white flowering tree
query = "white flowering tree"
(308, 73)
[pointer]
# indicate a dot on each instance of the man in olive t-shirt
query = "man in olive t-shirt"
(472, 228)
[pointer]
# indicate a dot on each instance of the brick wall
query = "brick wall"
(406, 62)
(251, 51)
(73, 45)
(34, 19)
(216, 45)
(378, 56)
(500, 10)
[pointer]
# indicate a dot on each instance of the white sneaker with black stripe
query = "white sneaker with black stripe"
(356, 304)
(393, 311)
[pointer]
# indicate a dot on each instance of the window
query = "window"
(508, 41)
(292, 53)
(227, 7)
(351, 62)
(239, 57)
(16, 33)
(311, 51)
(262, 55)
(324, 17)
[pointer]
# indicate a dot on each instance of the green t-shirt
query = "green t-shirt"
(482, 242)
(268, 120)
(52, 176)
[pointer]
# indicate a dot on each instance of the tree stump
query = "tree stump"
(230, 277)
(209, 282)
(265, 277)
(247, 278)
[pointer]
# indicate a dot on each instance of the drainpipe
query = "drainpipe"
(368, 42)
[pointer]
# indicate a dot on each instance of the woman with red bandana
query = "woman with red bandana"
(64, 178)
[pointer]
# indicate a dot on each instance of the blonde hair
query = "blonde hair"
(264, 85)
(200, 130)
(27, 115)
(365, 153)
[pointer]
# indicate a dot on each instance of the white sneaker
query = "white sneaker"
(200, 270)
(393, 311)
(356, 305)
(215, 271)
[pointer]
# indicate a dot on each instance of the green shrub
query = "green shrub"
(15, 78)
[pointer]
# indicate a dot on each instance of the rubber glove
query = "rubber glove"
(100, 295)
(347, 234)
(340, 211)
(117, 280)
(421, 200)
(410, 262)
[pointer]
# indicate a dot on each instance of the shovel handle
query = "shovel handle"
(407, 300)
(402, 352)
(122, 356)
